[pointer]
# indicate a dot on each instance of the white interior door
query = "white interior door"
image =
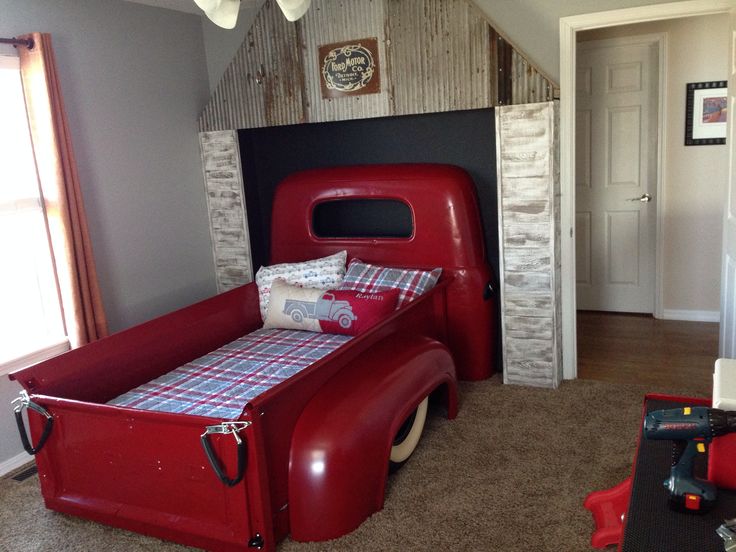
(727, 342)
(616, 174)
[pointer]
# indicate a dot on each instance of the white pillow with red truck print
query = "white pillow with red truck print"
(344, 312)
(323, 273)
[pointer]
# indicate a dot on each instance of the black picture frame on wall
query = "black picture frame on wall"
(706, 110)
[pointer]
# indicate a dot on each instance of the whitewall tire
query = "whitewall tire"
(408, 436)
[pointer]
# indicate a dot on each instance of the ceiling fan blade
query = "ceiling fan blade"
(294, 9)
(223, 13)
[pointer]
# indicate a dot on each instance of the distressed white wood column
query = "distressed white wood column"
(223, 180)
(527, 157)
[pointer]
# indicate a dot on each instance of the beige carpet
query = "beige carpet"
(509, 474)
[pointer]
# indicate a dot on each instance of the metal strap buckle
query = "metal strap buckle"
(21, 403)
(227, 427)
(24, 401)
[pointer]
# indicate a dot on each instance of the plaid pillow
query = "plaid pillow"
(411, 283)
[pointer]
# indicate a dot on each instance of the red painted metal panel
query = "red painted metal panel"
(338, 466)
(102, 370)
(147, 472)
(447, 234)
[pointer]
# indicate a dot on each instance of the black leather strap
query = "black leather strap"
(215, 463)
(22, 429)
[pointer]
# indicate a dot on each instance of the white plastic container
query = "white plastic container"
(722, 451)
(724, 384)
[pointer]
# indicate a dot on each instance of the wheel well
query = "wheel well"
(440, 395)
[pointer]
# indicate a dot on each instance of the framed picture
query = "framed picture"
(706, 111)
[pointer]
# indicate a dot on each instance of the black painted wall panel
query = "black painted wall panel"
(463, 138)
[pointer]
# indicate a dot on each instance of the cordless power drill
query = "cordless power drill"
(690, 428)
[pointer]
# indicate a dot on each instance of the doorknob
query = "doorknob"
(644, 198)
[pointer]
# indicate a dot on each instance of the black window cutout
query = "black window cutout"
(362, 218)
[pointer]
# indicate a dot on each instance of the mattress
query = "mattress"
(221, 383)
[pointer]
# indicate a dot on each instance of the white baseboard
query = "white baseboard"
(691, 315)
(14, 463)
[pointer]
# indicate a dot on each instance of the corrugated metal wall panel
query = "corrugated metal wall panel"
(331, 21)
(439, 53)
(493, 61)
(528, 85)
(434, 55)
(262, 85)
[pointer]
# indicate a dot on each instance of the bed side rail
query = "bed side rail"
(110, 366)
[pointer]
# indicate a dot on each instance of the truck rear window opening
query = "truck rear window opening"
(362, 218)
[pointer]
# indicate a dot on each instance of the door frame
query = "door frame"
(569, 27)
(660, 40)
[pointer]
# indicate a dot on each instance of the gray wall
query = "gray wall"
(134, 80)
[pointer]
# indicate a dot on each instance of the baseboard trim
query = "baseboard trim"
(14, 463)
(691, 315)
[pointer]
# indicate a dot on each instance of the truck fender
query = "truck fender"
(341, 443)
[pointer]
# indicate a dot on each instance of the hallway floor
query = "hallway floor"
(634, 348)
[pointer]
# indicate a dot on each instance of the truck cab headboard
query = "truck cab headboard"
(409, 215)
(444, 227)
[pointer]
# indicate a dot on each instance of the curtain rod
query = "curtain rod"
(27, 42)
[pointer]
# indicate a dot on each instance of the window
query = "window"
(31, 324)
(362, 218)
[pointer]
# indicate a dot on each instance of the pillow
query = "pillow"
(323, 273)
(333, 311)
(368, 278)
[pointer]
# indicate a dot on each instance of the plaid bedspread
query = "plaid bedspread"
(220, 383)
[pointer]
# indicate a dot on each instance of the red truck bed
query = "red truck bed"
(316, 446)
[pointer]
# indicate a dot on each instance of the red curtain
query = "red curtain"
(71, 248)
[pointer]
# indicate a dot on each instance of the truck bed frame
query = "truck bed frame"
(316, 447)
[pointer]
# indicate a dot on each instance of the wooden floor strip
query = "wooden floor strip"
(631, 348)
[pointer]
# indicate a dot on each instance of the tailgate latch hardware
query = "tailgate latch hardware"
(19, 405)
(226, 428)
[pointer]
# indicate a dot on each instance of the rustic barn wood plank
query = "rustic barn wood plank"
(533, 327)
(527, 260)
(525, 188)
(525, 303)
(531, 372)
(528, 349)
(226, 208)
(526, 235)
(527, 281)
(529, 235)
(520, 211)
